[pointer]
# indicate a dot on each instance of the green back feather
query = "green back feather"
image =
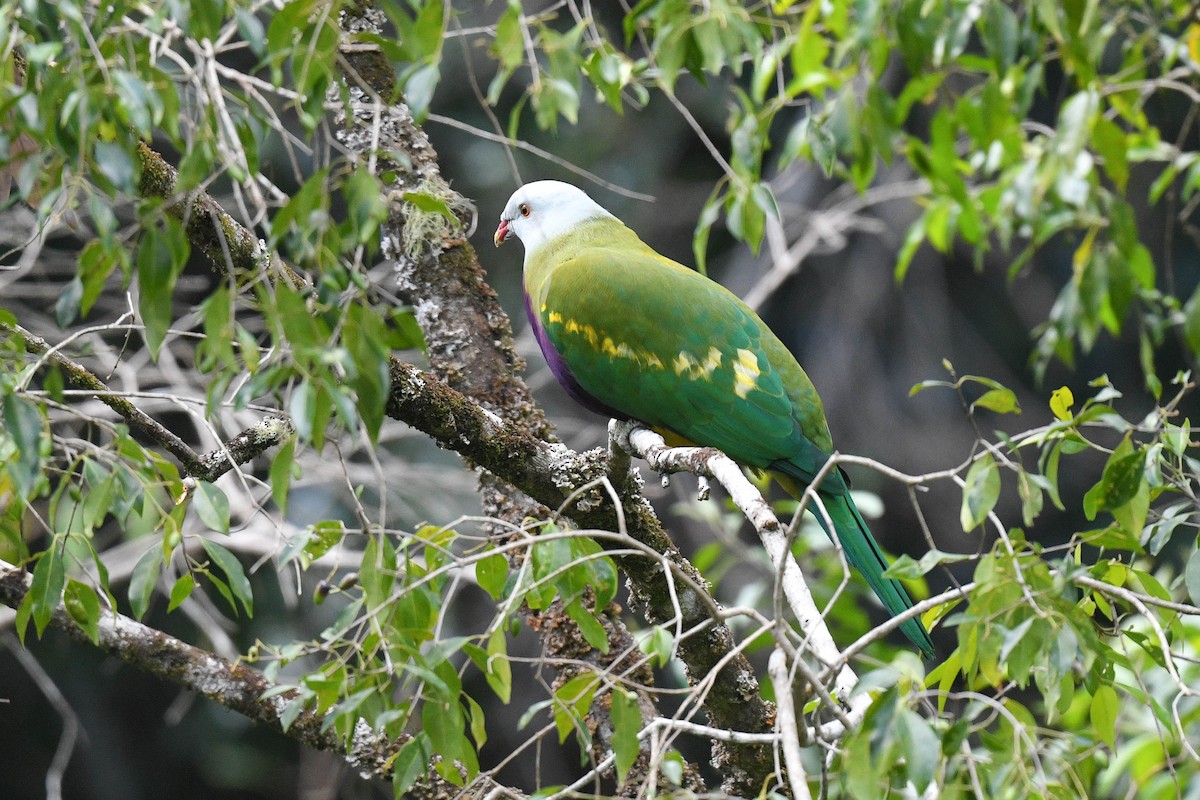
(660, 342)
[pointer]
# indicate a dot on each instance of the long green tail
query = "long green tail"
(863, 553)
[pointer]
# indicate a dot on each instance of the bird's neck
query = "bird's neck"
(543, 259)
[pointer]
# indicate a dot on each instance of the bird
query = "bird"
(633, 335)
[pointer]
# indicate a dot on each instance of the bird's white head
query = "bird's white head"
(542, 210)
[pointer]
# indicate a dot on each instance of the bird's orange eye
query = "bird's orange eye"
(524, 209)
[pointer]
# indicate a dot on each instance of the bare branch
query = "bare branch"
(137, 419)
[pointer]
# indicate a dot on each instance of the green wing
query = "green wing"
(667, 346)
(663, 344)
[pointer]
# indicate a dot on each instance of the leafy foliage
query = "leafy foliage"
(1027, 130)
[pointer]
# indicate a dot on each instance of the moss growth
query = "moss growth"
(433, 214)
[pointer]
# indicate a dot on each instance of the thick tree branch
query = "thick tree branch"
(234, 250)
(467, 334)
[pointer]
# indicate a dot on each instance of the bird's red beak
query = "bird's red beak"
(502, 233)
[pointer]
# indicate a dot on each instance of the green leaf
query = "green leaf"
(1030, 492)
(252, 31)
(601, 573)
(1192, 577)
(1002, 401)
(291, 712)
(1103, 714)
(366, 339)
(509, 45)
(904, 567)
(280, 474)
(1000, 32)
(552, 98)
(326, 535)
(222, 588)
(659, 644)
(181, 590)
(23, 422)
(589, 626)
(871, 752)
(66, 307)
(1111, 145)
(609, 73)
(143, 580)
(406, 330)
(239, 584)
(419, 89)
(377, 571)
(114, 165)
(161, 255)
(746, 220)
(364, 204)
(1122, 478)
(345, 710)
(627, 723)
(83, 605)
(308, 205)
(808, 55)
(1191, 324)
(492, 572)
(478, 722)
(921, 748)
(980, 493)
(912, 240)
(499, 671)
(923, 385)
(709, 214)
(944, 675)
(410, 763)
(429, 29)
(572, 701)
(1131, 515)
(443, 722)
(1061, 400)
(46, 590)
(301, 409)
(212, 505)
(672, 767)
